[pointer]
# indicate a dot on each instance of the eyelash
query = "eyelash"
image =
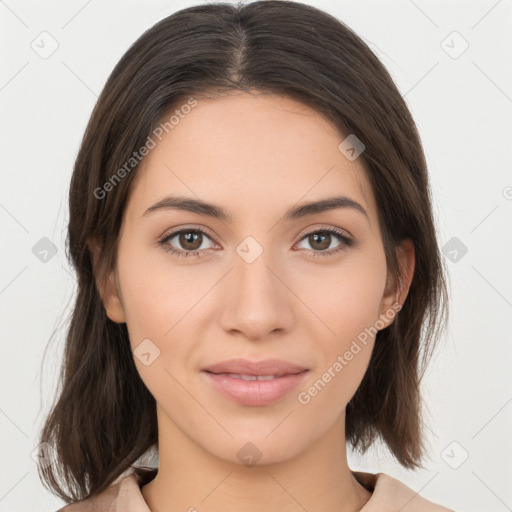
(345, 242)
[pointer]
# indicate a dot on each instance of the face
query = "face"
(258, 282)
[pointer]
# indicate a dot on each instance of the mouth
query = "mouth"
(255, 383)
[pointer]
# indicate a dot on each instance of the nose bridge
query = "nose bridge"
(254, 272)
(259, 303)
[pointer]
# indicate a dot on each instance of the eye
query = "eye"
(321, 239)
(190, 240)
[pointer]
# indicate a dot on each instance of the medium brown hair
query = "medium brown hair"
(104, 417)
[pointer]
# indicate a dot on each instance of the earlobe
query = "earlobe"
(108, 289)
(112, 300)
(396, 293)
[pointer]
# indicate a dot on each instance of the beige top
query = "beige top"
(124, 495)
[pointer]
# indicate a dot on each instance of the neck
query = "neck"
(191, 478)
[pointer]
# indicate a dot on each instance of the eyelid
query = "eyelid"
(327, 228)
(177, 229)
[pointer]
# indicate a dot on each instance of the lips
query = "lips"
(255, 383)
(266, 367)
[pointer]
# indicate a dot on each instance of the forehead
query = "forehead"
(250, 153)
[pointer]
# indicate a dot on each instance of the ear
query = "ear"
(108, 288)
(396, 293)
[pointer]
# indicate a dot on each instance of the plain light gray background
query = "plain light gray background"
(461, 99)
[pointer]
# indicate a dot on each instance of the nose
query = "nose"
(258, 300)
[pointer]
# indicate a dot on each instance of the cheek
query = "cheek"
(158, 297)
(346, 299)
(165, 303)
(159, 301)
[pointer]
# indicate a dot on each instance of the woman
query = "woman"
(251, 226)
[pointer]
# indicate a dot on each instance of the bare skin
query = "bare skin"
(255, 156)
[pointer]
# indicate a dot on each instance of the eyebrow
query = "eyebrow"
(296, 212)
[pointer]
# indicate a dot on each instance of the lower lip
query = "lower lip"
(255, 392)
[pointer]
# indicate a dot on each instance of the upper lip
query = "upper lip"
(263, 367)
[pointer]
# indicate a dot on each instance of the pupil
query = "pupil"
(187, 239)
(325, 238)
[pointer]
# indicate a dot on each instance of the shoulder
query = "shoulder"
(391, 495)
(123, 494)
(104, 502)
